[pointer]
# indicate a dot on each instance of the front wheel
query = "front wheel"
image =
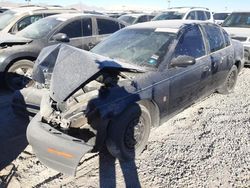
(230, 82)
(19, 75)
(128, 133)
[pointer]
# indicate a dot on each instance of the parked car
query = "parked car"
(135, 18)
(127, 84)
(238, 26)
(219, 17)
(16, 19)
(19, 51)
(186, 13)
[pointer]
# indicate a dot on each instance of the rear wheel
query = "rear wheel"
(230, 82)
(128, 133)
(19, 75)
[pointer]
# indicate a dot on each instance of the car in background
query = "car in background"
(186, 13)
(238, 26)
(3, 9)
(219, 17)
(132, 81)
(16, 19)
(115, 14)
(135, 18)
(19, 51)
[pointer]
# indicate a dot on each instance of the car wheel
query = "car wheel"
(19, 75)
(128, 133)
(230, 82)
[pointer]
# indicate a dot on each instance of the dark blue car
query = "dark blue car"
(136, 79)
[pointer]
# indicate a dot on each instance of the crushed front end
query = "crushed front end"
(86, 90)
(61, 137)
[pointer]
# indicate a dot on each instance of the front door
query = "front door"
(191, 82)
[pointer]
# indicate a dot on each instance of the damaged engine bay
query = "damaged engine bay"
(74, 116)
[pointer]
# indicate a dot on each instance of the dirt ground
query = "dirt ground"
(207, 145)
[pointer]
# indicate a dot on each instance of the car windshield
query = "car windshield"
(143, 47)
(127, 19)
(6, 18)
(221, 16)
(171, 15)
(237, 20)
(40, 28)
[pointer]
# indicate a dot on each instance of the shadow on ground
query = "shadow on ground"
(12, 130)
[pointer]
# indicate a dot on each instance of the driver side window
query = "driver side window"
(191, 44)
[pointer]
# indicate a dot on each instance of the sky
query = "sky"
(214, 5)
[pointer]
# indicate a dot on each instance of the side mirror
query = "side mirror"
(183, 61)
(60, 37)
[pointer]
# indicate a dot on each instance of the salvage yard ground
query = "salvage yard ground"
(207, 145)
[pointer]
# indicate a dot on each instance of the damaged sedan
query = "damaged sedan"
(136, 79)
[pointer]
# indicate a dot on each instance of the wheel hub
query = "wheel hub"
(134, 133)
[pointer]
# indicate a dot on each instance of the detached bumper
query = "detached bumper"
(54, 148)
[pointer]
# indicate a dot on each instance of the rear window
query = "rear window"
(201, 15)
(208, 15)
(107, 26)
(215, 37)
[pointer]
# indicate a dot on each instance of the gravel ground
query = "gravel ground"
(207, 145)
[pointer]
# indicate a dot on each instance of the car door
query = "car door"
(105, 27)
(79, 32)
(218, 54)
(191, 82)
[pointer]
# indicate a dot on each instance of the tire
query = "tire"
(121, 142)
(230, 82)
(19, 75)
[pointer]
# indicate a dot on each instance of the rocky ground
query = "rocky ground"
(207, 145)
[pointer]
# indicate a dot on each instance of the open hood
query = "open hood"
(73, 68)
(7, 39)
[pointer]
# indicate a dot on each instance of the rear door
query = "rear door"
(80, 32)
(220, 54)
(191, 82)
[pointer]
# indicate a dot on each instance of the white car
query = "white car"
(238, 26)
(219, 17)
(186, 13)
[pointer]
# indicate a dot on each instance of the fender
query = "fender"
(8, 59)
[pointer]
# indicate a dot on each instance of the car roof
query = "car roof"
(135, 14)
(67, 16)
(185, 9)
(21, 10)
(172, 24)
(241, 11)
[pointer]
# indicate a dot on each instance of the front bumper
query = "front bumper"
(54, 148)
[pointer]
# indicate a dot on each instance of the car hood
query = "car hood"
(7, 39)
(237, 31)
(73, 68)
